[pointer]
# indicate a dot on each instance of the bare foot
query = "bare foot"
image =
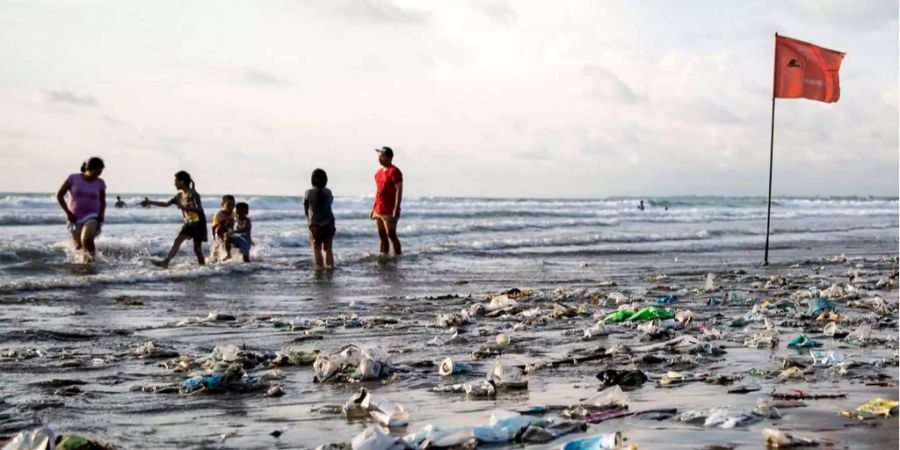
(160, 263)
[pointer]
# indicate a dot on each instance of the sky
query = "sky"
(478, 98)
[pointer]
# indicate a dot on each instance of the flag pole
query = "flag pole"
(771, 153)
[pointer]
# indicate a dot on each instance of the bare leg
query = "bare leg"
(382, 235)
(76, 237)
(228, 248)
(329, 257)
(317, 254)
(198, 250)
(88, 233)
(173, 251)
(391, 226)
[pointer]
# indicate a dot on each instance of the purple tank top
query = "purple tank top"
(84, 196)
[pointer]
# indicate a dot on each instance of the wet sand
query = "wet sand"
(87, 335)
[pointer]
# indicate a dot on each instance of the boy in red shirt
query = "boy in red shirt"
(388, 193)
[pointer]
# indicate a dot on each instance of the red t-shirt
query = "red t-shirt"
(386, 180)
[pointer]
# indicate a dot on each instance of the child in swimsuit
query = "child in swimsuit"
(240, 237)
(188, 201)
(320, 219)
(222, 225)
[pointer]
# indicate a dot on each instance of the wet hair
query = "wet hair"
(92, 163)
(226, 198)
(242, 207)
(185, 178)
(319, 180)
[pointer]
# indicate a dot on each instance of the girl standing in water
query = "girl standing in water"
(188, 201)
(86, 204)
(320, 219)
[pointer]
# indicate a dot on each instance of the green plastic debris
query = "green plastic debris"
(803, 341)
(878, 408)
(73, 442)
(648, 313)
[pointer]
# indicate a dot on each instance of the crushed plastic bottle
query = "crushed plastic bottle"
(42, 438)
(606, 441)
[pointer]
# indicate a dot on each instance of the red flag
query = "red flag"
(806, 70)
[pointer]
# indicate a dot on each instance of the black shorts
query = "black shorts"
(195, 230)
(322, 234)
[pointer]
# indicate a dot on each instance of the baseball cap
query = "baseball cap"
(385, 151)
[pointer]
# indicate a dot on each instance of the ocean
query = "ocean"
(70, 335)
(505, 240)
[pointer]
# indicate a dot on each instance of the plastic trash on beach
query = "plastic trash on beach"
(598, 330)
(648, 313)
(627, 379)
(710, 284)
(803, 341)
(291, 356)
(830, 329)
(835, 291)
(541, 435)
(763, 339)
(375, 439)
(504, 426)
(73, 442)
(775, 438)
(878, 408)
(666, 300)
(720, 417)
(232, 379)
(352, 363)
(502, 340)
(151, 349)
(42, 438)
(766, 410)
(449, 367)
(477, 389)
(861, 335)
(507, 377)
(609, 397)
(672, 378)
(436, 436)
(606, 441)
(826, 358)
(818, 305)
(453, 319)
(876, 304)
(383, 411)
(500, 302)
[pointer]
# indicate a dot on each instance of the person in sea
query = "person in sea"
(120, 203)
(240, 236)
(222, 226)
(388, 194)
(320, 220)
(86, 204)
(188, 201)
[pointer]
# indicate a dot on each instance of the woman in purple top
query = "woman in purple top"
(86, 203)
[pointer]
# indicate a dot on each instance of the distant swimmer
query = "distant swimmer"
(641, 206)
(86, 204)
(388, 193)
(120, 203)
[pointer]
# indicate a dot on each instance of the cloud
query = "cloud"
(383, 11)
(862, 15)
(540, 153)
(255, 76)
(70, 98)
(606, 86)
(497, 10)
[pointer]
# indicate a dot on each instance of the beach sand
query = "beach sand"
(88, 335)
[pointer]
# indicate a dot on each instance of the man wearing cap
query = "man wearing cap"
(388, 192)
